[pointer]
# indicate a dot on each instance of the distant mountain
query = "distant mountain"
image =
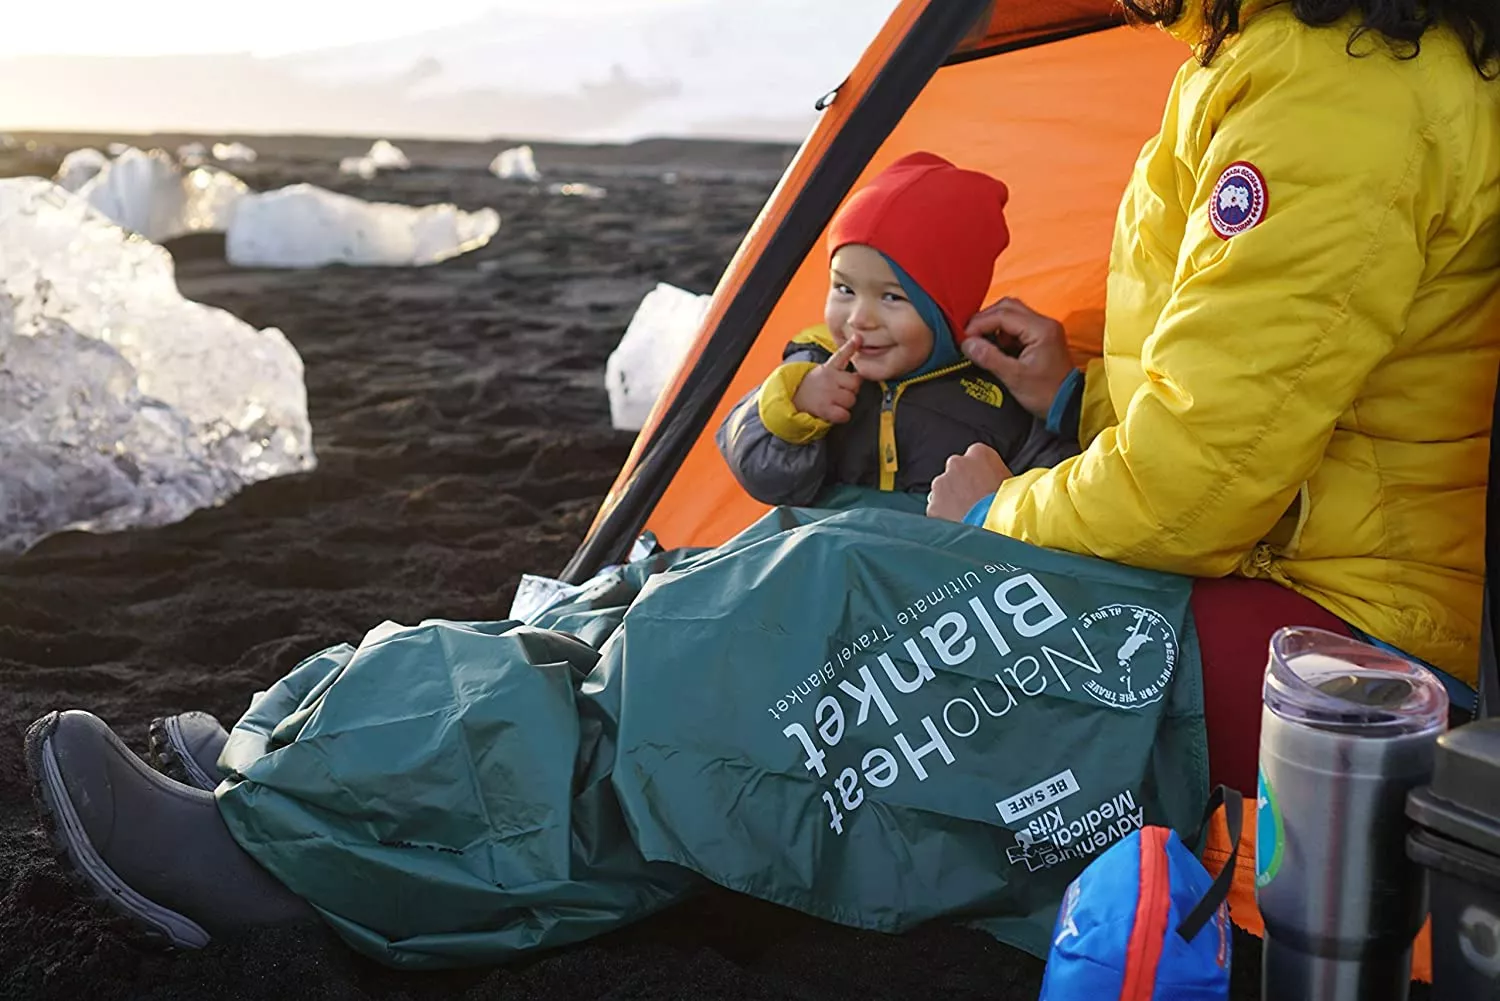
(722, 68)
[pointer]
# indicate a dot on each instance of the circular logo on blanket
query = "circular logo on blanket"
(1239, 200)
(1136, 651)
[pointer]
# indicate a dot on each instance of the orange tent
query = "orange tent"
(1054, 96)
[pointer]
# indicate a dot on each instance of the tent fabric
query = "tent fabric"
(1061, 123)
(1013, 25)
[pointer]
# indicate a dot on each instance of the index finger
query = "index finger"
(845, 354)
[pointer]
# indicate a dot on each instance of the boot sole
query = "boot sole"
(168, 757)
(146, 922)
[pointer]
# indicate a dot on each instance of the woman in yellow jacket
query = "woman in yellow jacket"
(1300, 347)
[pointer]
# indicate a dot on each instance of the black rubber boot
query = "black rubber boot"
(155, 849)
(186, 747)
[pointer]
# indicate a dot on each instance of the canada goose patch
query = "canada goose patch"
(1239, 200)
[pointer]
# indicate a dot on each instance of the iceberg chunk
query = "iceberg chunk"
(387, 156)
(646, 360)
(304, 226)
(121, 403)
(79, 167)
(234, 153)
(192, 154)
(148, 193)
(577, 189)
(517, 164)
(359, 166)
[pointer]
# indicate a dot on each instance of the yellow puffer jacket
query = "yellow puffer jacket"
(1306, 399)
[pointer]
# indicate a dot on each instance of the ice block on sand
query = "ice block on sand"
(149, 194)
(515, 164)
(123, 404)
(647, 358)
(304, 226)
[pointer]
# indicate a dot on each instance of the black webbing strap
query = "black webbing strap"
(1234, 805)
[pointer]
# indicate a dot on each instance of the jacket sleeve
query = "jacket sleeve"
(1266, 337)
(1095, 410)
(1044, 447)
(776, 452)
(1082, 407)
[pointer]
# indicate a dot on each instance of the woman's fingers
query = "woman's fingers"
(1013, 318)
(990, 358)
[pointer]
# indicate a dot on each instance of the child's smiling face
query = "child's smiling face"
(866, 298)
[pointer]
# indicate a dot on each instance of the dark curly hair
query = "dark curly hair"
(1402, 23)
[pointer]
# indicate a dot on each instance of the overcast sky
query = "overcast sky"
(602, 69)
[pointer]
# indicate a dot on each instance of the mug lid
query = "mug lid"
(1333, 682)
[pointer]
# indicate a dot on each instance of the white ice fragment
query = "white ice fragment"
(359, 166)
(536, 594)
(387, 156)
(517, 164)
(79, 167)
(646, 360)
(303, 226)
(235, 152)
(192, 154)
(121, 403)
(148, 193)
(577, 189)
(116, 148)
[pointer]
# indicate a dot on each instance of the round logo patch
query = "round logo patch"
(1239, 200)
(1136, 650)
(1270, 835)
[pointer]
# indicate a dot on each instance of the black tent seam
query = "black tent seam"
(898, 83)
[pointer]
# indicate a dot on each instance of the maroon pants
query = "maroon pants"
(1236, 619)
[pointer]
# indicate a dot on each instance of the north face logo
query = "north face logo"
(984, 392)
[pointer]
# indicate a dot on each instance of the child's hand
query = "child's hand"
(828, 392)
(967, 479)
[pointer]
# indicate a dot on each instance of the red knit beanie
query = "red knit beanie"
(944, 226)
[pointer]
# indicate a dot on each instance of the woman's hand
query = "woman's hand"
(1034, 377)
(967, 480)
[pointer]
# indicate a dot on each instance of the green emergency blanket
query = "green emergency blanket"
(868, 715)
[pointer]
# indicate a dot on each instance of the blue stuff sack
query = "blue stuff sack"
(1146, 922)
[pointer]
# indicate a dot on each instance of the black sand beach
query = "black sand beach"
(463, 438)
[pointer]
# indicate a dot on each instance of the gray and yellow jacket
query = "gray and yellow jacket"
(899, 435)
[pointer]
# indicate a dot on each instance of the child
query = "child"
(911, 258)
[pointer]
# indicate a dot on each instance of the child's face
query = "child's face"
(865, 298)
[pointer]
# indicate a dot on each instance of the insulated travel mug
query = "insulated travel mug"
(1347, 731)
